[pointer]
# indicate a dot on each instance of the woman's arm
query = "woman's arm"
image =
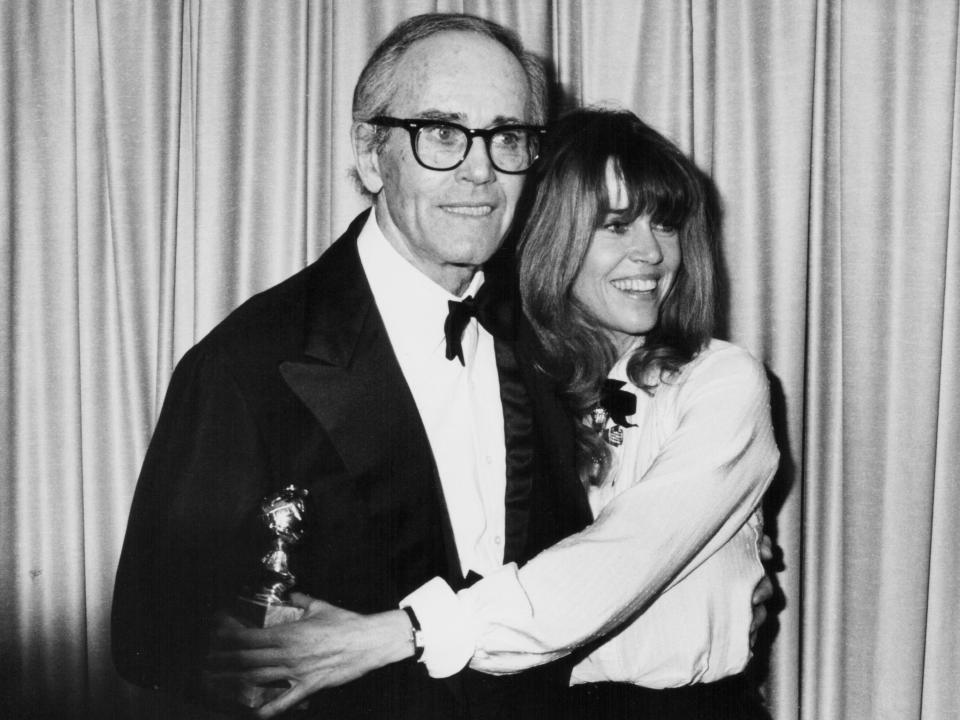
(702, 487)
(716, 467)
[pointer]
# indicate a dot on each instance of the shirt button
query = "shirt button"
(497, 539)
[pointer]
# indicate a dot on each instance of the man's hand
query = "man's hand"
(328, 646)
(763, 592)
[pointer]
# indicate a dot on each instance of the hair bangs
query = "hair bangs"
(657, 183)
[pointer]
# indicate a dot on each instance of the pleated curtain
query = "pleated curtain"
(161, 161)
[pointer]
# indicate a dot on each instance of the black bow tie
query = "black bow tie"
(492, 311)
(618, 403)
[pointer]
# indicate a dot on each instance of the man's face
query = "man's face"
(447, 223)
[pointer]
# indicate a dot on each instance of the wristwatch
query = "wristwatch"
(416, 634)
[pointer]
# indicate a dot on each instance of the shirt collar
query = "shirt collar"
(413, 306)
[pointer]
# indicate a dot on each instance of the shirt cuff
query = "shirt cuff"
(447, 632)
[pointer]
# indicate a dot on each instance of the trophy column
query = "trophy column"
(266, 603)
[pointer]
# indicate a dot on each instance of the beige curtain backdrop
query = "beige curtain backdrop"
(162, 160)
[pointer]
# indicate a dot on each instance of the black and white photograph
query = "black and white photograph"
(479, 359)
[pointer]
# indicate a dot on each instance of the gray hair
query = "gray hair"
(378, 84)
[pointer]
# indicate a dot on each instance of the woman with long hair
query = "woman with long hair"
(619, 277)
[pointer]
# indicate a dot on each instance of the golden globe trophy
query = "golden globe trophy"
(265, 604)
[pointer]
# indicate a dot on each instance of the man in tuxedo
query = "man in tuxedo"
(394, 380)
(428, 443)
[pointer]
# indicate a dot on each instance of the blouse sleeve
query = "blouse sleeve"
(702, 487)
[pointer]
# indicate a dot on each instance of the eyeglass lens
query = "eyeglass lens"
(442, 147)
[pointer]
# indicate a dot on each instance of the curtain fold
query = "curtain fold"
(44, 602)
(941, 660)
(895, 193)
(162, 162)
(818, 533)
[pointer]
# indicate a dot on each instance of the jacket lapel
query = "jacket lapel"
(351, 382)
(539, 443)
(345, 367)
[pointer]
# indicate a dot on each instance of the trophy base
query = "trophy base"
(254, 696)
(258, 613)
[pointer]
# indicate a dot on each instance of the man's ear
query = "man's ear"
(366, 156)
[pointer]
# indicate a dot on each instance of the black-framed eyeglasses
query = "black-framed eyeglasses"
(442, 145)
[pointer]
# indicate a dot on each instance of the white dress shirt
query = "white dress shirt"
(459, 404)
(670, 562)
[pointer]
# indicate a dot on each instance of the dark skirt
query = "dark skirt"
(732, 698)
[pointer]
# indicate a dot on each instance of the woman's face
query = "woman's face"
(628, 270)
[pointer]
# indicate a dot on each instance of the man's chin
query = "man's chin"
(472, 251)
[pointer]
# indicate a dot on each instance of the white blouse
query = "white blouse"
(659, 586)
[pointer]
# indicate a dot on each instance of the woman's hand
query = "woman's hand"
(763, 592)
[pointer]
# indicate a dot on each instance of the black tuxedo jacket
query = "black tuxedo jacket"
(300, 386)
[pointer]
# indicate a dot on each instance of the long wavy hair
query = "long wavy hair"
(567, 207)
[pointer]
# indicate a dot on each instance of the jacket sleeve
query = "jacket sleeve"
(188, 532)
